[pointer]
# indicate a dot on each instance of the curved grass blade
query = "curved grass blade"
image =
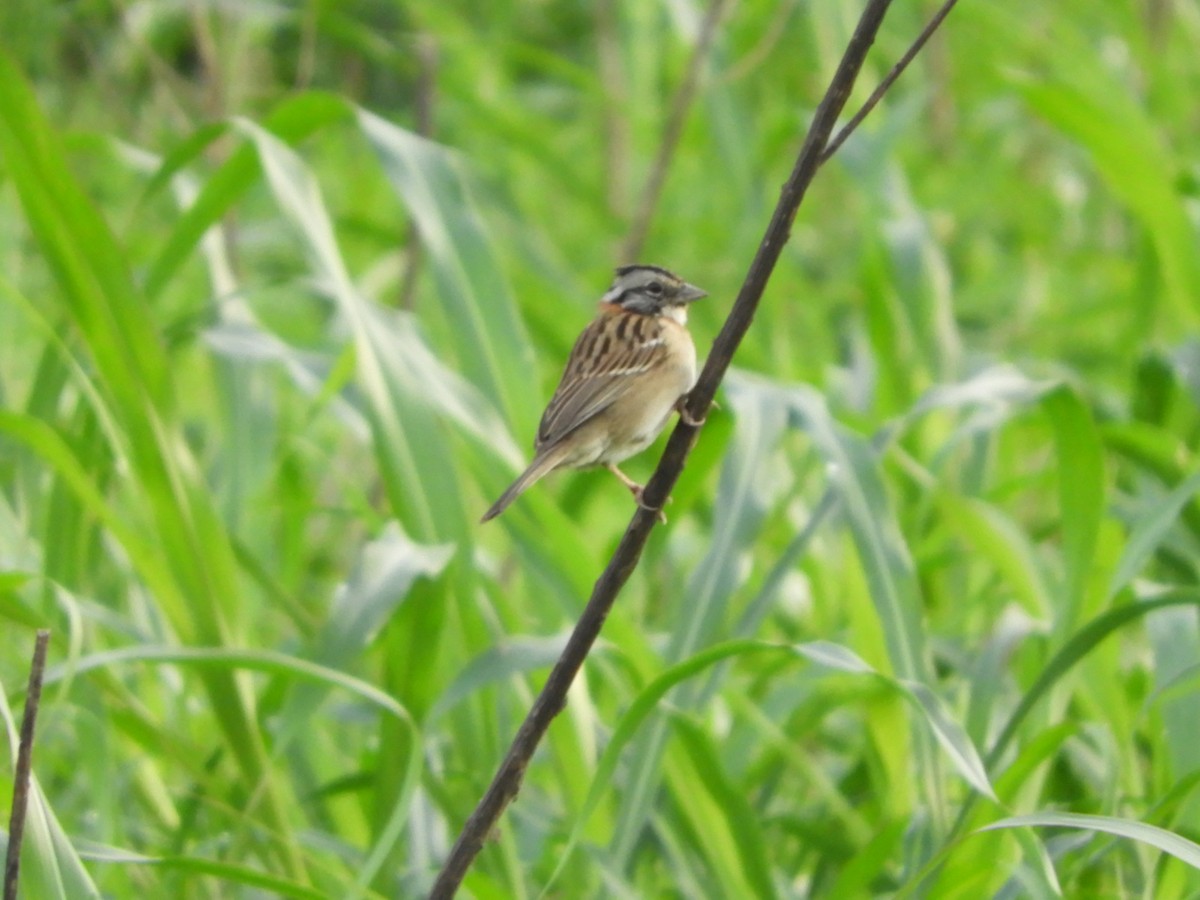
(948, 733)
(1087, 100)
(854, 472)
(512, 656)
(381, 581)
(410, 446)
(1074, 650)
(294, 118)
(1150, 530)
(269, 662)
(1159, 838)
(228, 872)
(50, 866)
(199, 591)
(744, 495)
(493, 346)
(1175, 641)
(725, 822)
(1081, 493)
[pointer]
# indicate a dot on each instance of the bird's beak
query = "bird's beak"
(691, 293)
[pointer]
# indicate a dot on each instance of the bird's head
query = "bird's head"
(652, 291)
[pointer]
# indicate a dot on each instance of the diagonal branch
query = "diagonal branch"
(552, 698)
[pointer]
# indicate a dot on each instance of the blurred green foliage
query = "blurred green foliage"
(268, 353)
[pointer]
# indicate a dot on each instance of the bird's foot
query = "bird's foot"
(686, 417)
(637, 490)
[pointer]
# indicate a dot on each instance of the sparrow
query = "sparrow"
(628, 371)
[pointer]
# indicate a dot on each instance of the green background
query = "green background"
(266, 355)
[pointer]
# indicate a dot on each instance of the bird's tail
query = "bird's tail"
(542, 464)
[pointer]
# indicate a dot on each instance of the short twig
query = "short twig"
(553, 696)
(20, 800)
(877, 95)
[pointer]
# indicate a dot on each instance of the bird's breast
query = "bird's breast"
(637, 418)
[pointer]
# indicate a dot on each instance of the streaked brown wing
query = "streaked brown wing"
(612, 349)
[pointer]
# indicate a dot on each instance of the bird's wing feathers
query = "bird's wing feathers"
(612, 349)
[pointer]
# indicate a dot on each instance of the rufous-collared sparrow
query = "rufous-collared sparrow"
(627, 372)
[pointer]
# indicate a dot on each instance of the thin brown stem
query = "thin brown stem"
(306, 53)
(214, 89)
(553, 696)
(616, 99)
(20, 800)
(681, 104)
(427, 62)
(772, 33)
(889, 80)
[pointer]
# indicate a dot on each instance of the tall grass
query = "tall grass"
(924, 620)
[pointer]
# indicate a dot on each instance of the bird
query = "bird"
(627, 372)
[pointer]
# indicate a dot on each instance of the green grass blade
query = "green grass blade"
(80, 249)
(50, 866)
(393, 367)
(1159, 838)
(1075, 649)
(949, 734)
(1150, 530)
(1175, 641)
(743, 497)
(515, 655)
(1081, 492)
(294, 119)
(267, 661)
(725, 819)
(194, 865)
(492, 345)
(115, 322)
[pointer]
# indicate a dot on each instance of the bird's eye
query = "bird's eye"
(654, 288)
